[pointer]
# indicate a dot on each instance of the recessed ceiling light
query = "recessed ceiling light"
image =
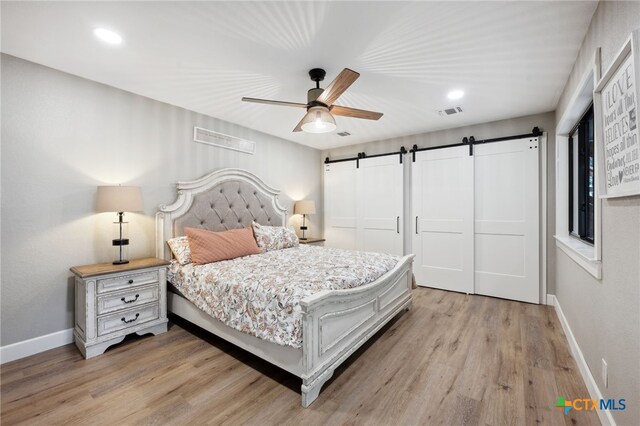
(107, 36)
(455, 94)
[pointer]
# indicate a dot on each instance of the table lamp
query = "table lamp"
(119, 199)
(304, 207)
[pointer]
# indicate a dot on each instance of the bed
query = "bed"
(333, 323)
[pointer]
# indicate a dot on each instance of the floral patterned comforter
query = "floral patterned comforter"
(260, 294)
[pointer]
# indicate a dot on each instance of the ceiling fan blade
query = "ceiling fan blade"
(355, 113)
(298, 128)
(338, 86)
(270, 102)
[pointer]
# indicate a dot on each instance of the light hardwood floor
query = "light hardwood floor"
(451, 359)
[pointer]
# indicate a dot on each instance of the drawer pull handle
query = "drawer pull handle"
(130, 301)
(130, 281)
(131, 320)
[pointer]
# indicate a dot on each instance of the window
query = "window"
(578, 187)
(581, 178)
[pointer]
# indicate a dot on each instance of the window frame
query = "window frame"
(585, 219)
(587, 256)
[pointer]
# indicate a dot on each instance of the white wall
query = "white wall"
(61, 137)
(605, 315)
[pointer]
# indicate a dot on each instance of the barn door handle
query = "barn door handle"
(416, 225)
(397, 224)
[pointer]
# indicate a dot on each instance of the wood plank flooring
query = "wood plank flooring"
(451, 359)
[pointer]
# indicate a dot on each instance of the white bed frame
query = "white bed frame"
(335, 323)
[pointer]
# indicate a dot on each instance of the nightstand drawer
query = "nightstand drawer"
(126, 299)
(126, 319)
(127, 281)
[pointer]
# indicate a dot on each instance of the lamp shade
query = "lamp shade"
(318, 120)
(305, 207)
(119, 199)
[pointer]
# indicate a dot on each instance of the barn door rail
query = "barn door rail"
(363, 156)
(471, 141)
(466, 141)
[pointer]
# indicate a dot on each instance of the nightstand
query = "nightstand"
(316, 241)
(115, 300)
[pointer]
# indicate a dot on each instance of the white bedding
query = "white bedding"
(260, 294)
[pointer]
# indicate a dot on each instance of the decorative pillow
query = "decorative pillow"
(180, 248)
(274, 237)
(208, 246)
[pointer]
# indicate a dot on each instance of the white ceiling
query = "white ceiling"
(511, 58)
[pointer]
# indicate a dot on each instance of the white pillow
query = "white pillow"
(274, 237)
(180, 248)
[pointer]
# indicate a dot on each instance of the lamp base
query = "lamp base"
(121, 244)
(303, 238)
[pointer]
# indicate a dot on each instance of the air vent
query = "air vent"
(344, 134)
(221, 140)
(450, 111)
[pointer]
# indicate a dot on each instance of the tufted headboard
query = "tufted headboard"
(222, 200)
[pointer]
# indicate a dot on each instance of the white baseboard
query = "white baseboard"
(551, 300)
(594, 391)
(36, 345)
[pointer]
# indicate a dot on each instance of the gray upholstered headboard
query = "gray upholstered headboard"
(222, 200)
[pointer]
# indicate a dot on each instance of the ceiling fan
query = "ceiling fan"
(320, 103)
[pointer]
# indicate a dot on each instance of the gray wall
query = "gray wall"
(605, 315)
(514, 126)
(61, 137)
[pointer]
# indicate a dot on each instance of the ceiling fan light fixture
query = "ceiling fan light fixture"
(318, 120)
(320, 103)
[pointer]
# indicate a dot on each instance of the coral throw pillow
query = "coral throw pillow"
(208, 246)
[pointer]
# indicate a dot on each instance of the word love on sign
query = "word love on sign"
(619, 125)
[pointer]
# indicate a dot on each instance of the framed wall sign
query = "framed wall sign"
(617, 130)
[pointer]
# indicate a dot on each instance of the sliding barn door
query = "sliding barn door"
(340, 205)
(507, 219)
(442, 186)
(380, 189)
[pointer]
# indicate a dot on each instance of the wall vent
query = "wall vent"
(209, 137)
(344, 134)
(450, 111)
